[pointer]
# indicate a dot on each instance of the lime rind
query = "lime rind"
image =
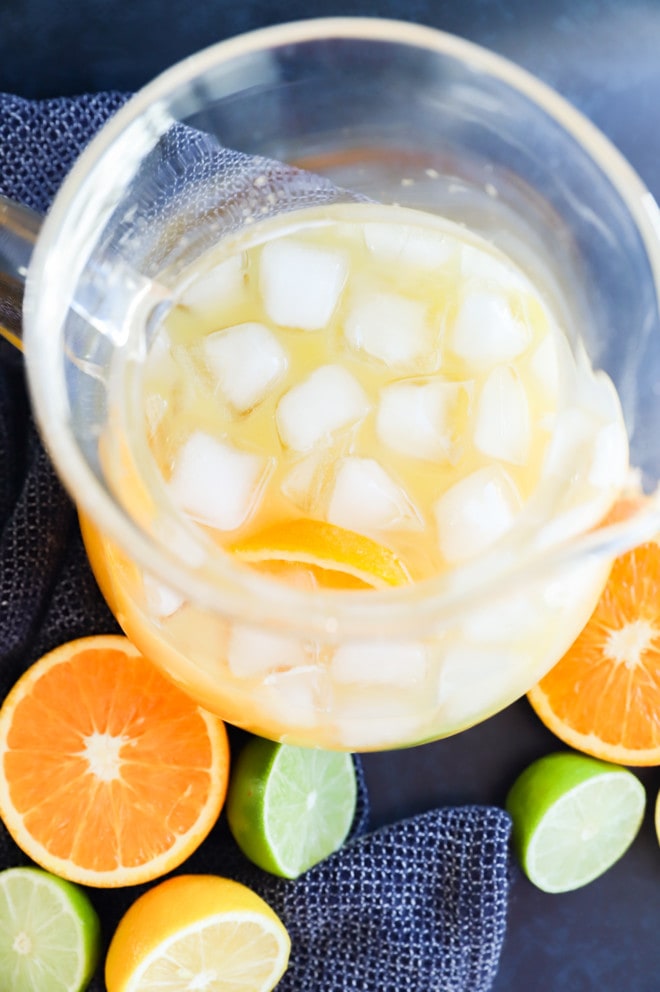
(572, 845)
(49, 933)
(573, 818)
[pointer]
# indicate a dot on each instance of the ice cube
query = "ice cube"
(390, 327)
(253, 653)
(306, 482)
(327, 400)
(484, 266)
(479, 679)
(598, 394)
(502, 428)
(160, 599)
(420, 419)
(155, 408)
(416, 246)
(366, 498)
(200, 635)
(475, 512)
(589, 442)
(485, 332)
(609, 465)
(300, 283)
(510, 618)
(293, 698)
(550, 363)
(589, 460)
(216, 287)
(160, 375)
(569, 448)
(379, 663)
(215, 483)
(370, 719)
(159, 352)
(576, 588)
(301, 482)
(175, 533)
(246, 360)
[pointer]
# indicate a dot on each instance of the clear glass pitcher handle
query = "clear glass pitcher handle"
(19, 227)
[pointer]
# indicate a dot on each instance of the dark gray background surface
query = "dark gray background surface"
(604, 56)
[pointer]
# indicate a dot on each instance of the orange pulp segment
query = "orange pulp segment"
(109, 774)
(336, 557)
(603, 697)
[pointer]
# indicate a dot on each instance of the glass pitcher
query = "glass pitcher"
(393, 113)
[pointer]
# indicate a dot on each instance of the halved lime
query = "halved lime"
(49, 933)
(290, 807)
(573, 818)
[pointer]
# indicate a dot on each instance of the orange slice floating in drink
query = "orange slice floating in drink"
(335, 557)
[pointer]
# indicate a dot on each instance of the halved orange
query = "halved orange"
(603, 697)
(109, 774)
(334, 556)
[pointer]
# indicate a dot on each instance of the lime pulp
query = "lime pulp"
(573, 818)
(49, 933)
(288, 807)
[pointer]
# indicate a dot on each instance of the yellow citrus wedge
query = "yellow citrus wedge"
(197, 932)
(336, 557)
(109, 774)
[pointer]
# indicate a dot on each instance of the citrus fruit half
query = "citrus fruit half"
(290, 807)
(49, 933)
(109, 774)
(197, 932)
(335, 556)
(603, 696)
(573, 817)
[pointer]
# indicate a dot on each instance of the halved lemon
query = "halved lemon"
(197, 932)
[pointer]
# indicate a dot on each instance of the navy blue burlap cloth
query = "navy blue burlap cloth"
(417, 906)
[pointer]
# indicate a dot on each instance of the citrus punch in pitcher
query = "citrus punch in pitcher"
(364, 401)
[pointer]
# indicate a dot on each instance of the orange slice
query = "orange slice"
(109, 774)
(603, 697)
(334, 556)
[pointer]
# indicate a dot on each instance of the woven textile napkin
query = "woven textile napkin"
(417, 906)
